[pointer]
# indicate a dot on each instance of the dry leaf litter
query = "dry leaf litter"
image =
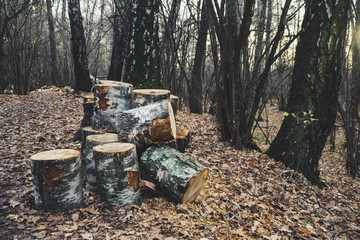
(247, 196)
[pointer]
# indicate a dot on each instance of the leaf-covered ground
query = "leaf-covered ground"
(248, 195)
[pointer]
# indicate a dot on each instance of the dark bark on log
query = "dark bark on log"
(111, 97)
(182, 138)
(143, 97)
(88, 160)
(87, 131)
(118, 175)
(147, 125)
(88, 106)
(173, 173)
(57, 179)
(175, 103)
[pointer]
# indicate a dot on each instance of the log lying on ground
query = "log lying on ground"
(173, 173)
(111, 97)
(182, 138)
(143, 97)
(88, 160)
(57, 179)
(175, 102)
(147, 125)
(118, 173)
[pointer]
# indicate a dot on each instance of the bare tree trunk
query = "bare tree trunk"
(352, 121)
(123, 32)
(66, 74)
(196, 91)
(82, 77)
(100, 30)
(53, 55)
(314, 90)
(260, 36)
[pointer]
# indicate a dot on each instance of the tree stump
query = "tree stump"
(173, 173)
(88, 160)
(111, 97)
(118, 173)
(88, 107)
(87, 131)
(147, 125)
(143, 97)
(57, 179)
(182, 138)
(175, 103)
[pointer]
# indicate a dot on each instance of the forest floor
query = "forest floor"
(247, 195)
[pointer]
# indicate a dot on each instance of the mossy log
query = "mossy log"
(173, 173)
(182, 138)
(143, 97)
(111, 97)
(175, 103)
(88, 160)
(147, 125)
(118, 175)
(56, 177)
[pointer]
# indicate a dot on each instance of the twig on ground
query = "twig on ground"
(320, 204)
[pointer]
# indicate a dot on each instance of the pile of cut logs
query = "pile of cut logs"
(131, 144)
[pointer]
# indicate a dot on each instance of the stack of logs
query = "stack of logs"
(133, 144)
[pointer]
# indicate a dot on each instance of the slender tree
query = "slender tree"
(122, 34)
(82, 77)
(53, 61)
(7, 14)
(196, 91)
(351, 118)
(314, 90)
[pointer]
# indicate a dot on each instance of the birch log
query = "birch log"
(173, 173)
(88, 160)
(143, 97)
(56, 177)
(147, 125)
(118, 173)
(111, 97)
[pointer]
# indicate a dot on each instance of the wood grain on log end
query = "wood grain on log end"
(88, 97)
(122, 149)
(144, 97)
(163, 129)
(195, 186)
(58, 154)
(147, 125)
(115, 83)
(57, 179)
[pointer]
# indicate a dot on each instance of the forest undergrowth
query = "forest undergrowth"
(247, 195)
